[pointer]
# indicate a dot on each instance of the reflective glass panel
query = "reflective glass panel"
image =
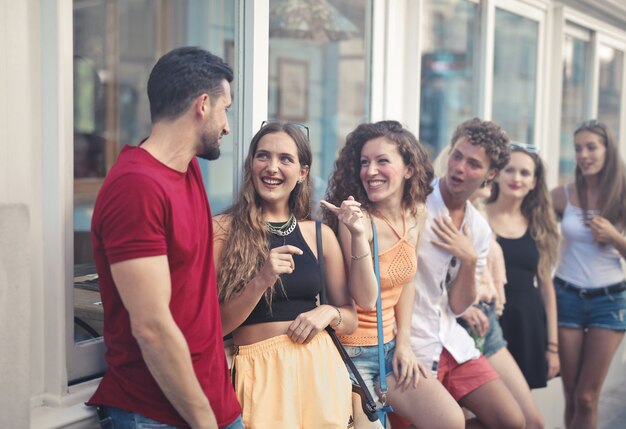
(610, 88)
(116, 43)
(515, 75)
(575, 81)
(318, 73)
(449, 77)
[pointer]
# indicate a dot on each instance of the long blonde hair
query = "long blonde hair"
(612, 183)
(537, 209)
(247, 236)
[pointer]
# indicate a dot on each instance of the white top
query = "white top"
(585, 262)
(434, 324)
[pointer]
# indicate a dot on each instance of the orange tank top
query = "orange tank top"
(398, 266)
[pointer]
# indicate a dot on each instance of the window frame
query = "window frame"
(84, 360)
(569, 21)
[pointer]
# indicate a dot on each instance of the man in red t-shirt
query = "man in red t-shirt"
(153, 245)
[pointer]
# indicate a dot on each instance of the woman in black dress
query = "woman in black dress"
(520, 213)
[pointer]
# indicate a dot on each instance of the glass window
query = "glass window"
(515, 75)
(575, 81)
(116, 43)
(610, 87)
(449, 78)
(318, 73)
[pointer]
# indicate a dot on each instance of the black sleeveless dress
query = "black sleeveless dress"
(524, 319)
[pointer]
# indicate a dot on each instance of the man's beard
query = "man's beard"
(210, 149)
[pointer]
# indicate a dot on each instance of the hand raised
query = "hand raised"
(476, 319)
(349, 213)
(279, 261)
(458, 243)
(603, 230)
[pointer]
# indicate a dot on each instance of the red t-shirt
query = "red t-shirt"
(148, 209)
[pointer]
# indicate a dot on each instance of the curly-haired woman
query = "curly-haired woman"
(383, 176)
(589, 282)
(288, 372)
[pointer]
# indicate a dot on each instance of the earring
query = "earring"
(300, 181)
(485, 183)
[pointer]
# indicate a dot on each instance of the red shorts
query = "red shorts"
(459, 380)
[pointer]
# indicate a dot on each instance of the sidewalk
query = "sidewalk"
(612, 409)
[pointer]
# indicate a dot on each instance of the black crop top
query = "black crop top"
(300, 287)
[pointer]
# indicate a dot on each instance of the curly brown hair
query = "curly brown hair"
(488, 135)
(244, 227)
(345, 180)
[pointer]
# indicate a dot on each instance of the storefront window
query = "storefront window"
(449, 78)
(116, 44)
(575, 81)
(610, 88)
(318, 73)
(515, 75)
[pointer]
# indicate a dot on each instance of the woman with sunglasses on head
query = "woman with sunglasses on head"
(520, 213)
(589, 280)
(382, 177)
(288, 373)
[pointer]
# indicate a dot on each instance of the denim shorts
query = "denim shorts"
(365, 360)
(575, 310)
(116, 418)
(494, 339)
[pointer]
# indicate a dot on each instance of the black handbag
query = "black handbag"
(367, 401)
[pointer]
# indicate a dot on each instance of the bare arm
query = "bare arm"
(336, 283)
(145, 289)
(339, 313)
(354, 234)
(406, 366)
(548, 297)
(238, 308)
(558, 200)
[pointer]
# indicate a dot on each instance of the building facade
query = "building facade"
(72, 94)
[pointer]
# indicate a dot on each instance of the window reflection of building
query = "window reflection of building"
(116, 44)
(610, 87)
(449, 78)
(317, 73)
(575, 81)
(515, 74)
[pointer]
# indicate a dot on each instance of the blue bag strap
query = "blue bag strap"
(382, 412)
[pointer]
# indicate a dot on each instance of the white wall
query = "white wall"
(14, 316)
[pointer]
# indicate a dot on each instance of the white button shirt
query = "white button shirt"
(434, 324)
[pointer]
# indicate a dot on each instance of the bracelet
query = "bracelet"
(356, 258)
(340, 318)
(556, 352)
(552, 343)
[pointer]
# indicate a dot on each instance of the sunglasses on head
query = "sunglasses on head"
(525, 147)
(302, 127)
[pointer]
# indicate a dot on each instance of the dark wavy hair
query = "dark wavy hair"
(537, 209)
(486, 134)
(248, 245)
(346, 180)
(612, 177)
(180, 76)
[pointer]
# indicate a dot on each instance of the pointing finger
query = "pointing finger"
(333, 208)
